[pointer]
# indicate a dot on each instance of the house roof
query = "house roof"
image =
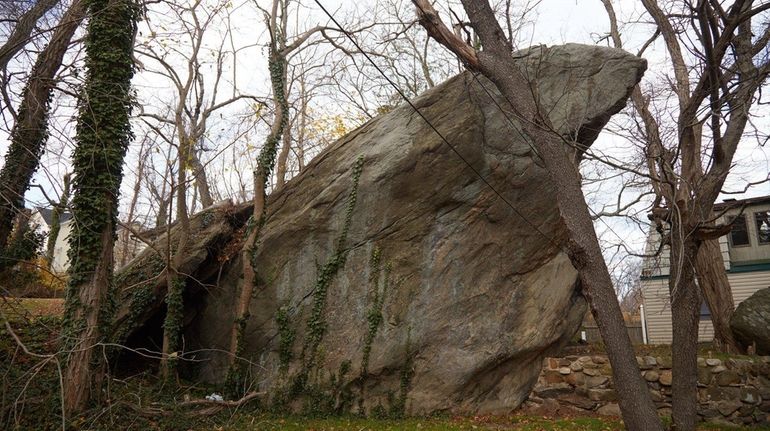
(47, 215)
(733, 203)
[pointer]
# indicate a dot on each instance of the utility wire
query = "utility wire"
(513, 126)
(454, 150)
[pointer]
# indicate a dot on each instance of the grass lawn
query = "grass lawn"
(16, 308)
(246, 421)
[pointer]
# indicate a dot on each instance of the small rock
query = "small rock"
(552, 376)
(553, 363)
(722, 393)
(591, 372)
(664, 363)
(575, 379)
(651, 376)
(534, 399)
(701, 362)
(552, 391)
(596, 381)
(713, 362)
(704, 376)
(564, 371)
(746, 410)
(606, 369)
(650, 361)
(578, 401)
(750, 395)
(665, 378)
(726, 408)
(664, 412)
(599, 360)
(611, 409)
(759, 416)
(718, 369)
(656, 396)
(728, 377)
(602, 394)
(576, 366)
(710, 411)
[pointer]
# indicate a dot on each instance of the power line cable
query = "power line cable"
(409, 102)
(513, 126)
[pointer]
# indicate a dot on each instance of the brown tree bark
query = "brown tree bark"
(283, 158)
(201, 180)
(29, 134)
(83, 383)
(716, 290)
(685, 313)
(21, 33)
(496, 62)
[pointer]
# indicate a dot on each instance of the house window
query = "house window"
(762, 219)
(705, 313)
(738, 234)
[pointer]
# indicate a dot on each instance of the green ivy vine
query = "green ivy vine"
(103, 136)
(316, 324)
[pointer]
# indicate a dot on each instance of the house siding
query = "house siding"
(657, 309)
(747, 267)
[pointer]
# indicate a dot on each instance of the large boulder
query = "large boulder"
(751, 320)
(446, 298)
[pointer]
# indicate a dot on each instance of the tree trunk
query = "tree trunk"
(162, 217)
(716, 290)
(124, 249)
(29, 134)
(685, 308)
(283, 158)
(172, 324)
(20, 35)
(103, 136)
(496, 63)
(201, 180)
(267, 156)
(84, 379)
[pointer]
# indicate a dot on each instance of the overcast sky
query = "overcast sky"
(553, 22)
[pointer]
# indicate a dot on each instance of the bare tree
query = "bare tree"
(29, 134)
(280, 47)
(198, 94)
(496, 62)
(715, 79)
(22, 32)
(103, 135)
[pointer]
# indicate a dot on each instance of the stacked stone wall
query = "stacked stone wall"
(735, 390)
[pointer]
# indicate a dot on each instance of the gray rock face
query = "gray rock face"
(448, 299)
(751, 321)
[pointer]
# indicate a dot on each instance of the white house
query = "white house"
(42, 218)
(746, 258)
(126, 244)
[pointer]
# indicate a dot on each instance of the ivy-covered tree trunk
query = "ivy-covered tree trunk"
(176, 280)
(265, 164)
(103, 135)
(29, 133)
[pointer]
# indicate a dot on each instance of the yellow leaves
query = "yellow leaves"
(327, 128)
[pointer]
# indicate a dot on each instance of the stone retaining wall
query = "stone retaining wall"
(732, 390)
